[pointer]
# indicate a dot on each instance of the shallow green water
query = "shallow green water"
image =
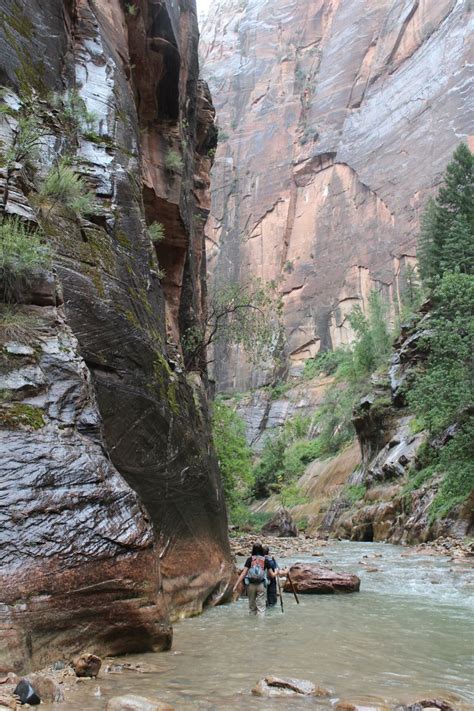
(408, 634)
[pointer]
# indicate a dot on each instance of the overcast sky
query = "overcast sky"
(202, 6)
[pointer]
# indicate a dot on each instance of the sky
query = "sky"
(203, 6)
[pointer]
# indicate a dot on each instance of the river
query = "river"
(408, 634)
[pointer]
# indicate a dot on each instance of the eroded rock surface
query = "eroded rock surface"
(112, 519)
(273, 686)
(313, 579)
(337, 120)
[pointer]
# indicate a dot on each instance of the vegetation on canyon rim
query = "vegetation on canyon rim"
(440, 393)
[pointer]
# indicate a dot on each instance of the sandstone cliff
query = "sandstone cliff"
(337, 120)
(111, 510)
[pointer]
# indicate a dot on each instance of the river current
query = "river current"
(408, 634)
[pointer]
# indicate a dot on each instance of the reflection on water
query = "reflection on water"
(408, 634)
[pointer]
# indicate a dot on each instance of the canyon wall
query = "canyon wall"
(112, 520)
(337, 119)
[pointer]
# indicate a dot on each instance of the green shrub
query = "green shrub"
(326, 362)
(298, 455)
(303, 524)
(445, 387)
(22, 255)
(74, 114)
(156, 231)
(454, 462)
(63, 185)
(15, 325)
(173, 162)
(271, 472)
(245, 519)
(233, 454)
(291, 495)
(354, 492)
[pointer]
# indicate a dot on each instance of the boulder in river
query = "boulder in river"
(281, 525)
(313, 579)
(26, 693)
(46, 687)
(275, 686)
(136, 703)
(87, 665)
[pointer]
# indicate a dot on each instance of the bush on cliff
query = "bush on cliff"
(233, 454)
(64, 186)
(22, 255)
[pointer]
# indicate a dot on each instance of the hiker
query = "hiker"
(257, 570)
(272, 597)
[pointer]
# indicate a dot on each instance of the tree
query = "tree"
(233, 453)
(246, 315)
(373, 340)
(446, 241)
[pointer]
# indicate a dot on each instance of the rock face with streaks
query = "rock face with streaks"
(337, 120)
(112, 520)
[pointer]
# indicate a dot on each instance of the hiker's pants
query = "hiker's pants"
(256, 595)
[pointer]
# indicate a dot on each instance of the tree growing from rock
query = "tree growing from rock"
(245, 315)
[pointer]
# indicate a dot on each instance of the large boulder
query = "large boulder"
(281, 525)
(87, 665)
(313, 579)
(272, 686)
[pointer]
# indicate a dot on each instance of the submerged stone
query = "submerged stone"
(136, 703)
(272, 686)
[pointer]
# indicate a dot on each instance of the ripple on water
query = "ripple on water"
(401, 638)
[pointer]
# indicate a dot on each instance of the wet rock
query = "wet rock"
(47, 688)
(361, 706)
(84, 571)
(136, 703)
(26, 693)
(428, 705)
(313, 579)
(87, 665)
(272, 686)
(281, 525)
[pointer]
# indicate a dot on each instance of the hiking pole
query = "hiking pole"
(292, 587)
(281, 596)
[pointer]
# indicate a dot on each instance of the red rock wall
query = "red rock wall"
(341, 116)
(112, 520)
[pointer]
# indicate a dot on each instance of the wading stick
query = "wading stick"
(292, 587)
(281, 596)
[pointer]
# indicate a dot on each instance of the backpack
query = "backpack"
(256, 572)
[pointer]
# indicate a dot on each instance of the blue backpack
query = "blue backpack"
(256, 573)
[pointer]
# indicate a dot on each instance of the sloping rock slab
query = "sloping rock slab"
(275, 686)
(313, 579)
